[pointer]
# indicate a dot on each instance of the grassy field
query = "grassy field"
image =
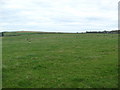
(60, 61)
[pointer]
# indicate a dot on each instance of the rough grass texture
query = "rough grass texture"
(60, 61)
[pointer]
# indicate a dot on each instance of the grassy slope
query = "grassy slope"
(60, 60)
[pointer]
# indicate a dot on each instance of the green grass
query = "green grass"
(0, 62)
(60, 61)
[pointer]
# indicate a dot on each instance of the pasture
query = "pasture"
(60, 61)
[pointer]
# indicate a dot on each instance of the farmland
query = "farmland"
(60, 61)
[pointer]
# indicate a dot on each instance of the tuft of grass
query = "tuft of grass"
(60, 61)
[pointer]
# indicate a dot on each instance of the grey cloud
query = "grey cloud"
(51, 15)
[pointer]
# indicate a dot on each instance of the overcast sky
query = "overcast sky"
(58, 15)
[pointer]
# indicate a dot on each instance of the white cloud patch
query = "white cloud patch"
(58, 15)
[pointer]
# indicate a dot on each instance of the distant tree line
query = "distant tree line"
(1, 34)
(113, 31)
(27, 33)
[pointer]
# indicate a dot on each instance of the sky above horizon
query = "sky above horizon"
(58, 15)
